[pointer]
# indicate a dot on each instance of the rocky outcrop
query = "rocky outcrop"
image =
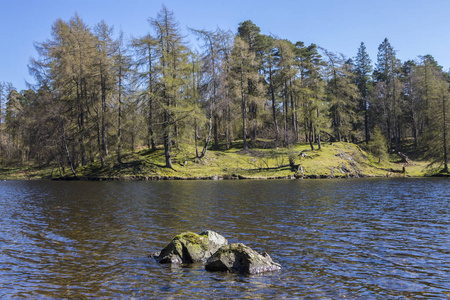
(238, 258)
(190, 247)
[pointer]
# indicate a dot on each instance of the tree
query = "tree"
(363, 71)
(269, 65)
(13, 112)
(387, 71)
(172, 56)
(225, 95)
(212, 68)
(342, 94)
(146, 63)
(314, 107)
(122, 66)
(243, 75)
(249, 33)
(434, 88)
(285, 76)
(3, 95)
(378, 145)
(104, 62)
(72, 67)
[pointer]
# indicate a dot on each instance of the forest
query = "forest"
(98, 95)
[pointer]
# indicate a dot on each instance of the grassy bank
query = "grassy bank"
(334, 160)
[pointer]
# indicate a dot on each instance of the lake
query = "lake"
(357, 238)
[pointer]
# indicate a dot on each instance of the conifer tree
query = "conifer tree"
(269, 66)
(435, 91)
(387, 72)
(243, 74)
(104, 64)
(363, 71)
(378, 145)
(122, 67)
(172, 61)
(341, 94)
(146, 56)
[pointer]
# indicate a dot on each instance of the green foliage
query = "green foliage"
(94, 96)
(378, 145)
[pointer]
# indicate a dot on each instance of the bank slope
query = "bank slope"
(334, 160)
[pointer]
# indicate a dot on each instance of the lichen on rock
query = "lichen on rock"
(241, 259)
(190, 247)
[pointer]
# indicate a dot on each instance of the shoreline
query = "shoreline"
(334, 161)
(221, 177)
(218, 178)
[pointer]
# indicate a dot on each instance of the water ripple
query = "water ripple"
(335, 239)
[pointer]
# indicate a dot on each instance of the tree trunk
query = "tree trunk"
(216, 134)
(152, 144)
(274, 109)
(196, 137)
(255, 121)
(285, 104)
(318, 133)
(311, 135)
(119, 128)
(388, 123)
(104, 145)
(65, 148)
(207, 141)
(167, 141)
(228, 131)
(366, 120)
(445, 134)
(294, 124)
(244, 129)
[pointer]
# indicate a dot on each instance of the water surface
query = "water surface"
(368, 238)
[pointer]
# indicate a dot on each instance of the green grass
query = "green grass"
(333, 160)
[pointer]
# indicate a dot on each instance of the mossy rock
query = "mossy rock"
(190, 247)
(241, 259)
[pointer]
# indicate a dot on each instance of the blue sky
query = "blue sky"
(413, 27)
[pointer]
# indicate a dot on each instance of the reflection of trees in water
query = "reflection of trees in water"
(82, 232)
(333, 237)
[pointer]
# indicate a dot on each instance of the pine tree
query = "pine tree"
(363, 71)
(243, 74)
(269, 66)
(314, 106)
(435, 90)
(250, 34)
(387, 72)
(285, 75)
(341, 94)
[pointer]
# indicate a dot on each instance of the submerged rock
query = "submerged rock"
(190, 247)
(238, 258)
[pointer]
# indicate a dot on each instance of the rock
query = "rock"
(238, 258)
(190, 247)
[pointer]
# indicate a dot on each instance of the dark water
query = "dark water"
(363, 239)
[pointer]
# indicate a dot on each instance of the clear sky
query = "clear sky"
(414, 27)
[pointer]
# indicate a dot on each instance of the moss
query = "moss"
(238, 247)
(258, 162)
(189, 236)
(192, 239)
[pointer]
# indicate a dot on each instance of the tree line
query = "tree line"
(97, 94)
